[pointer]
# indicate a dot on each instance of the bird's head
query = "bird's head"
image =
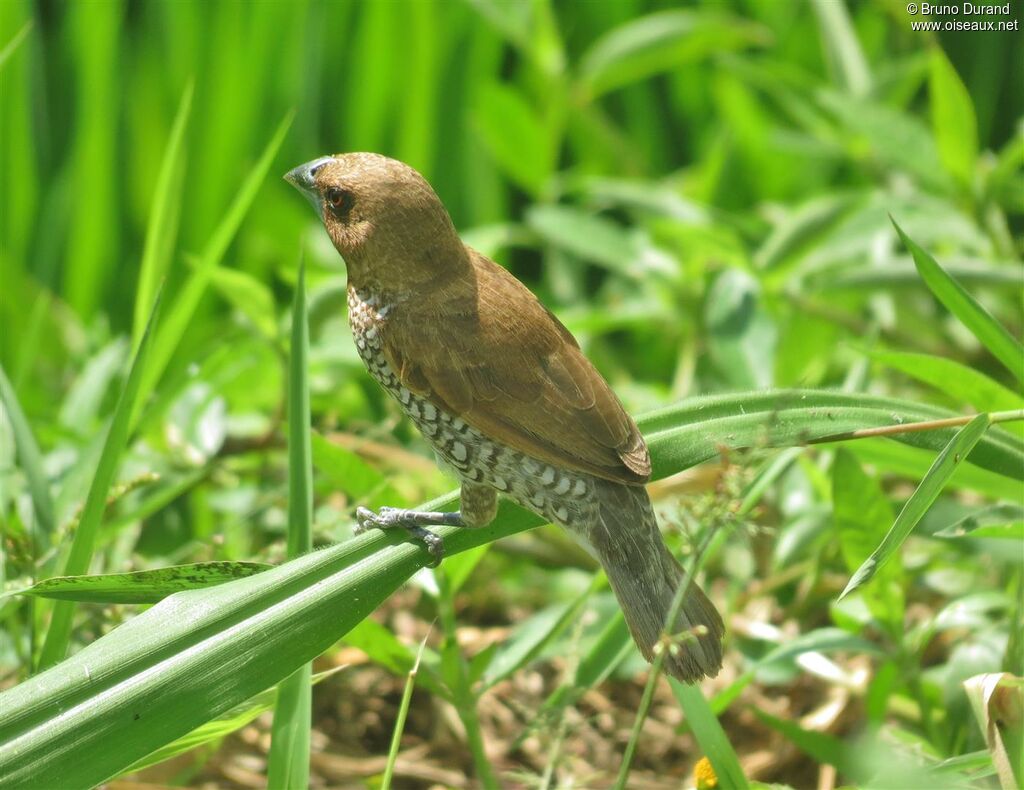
(383, 217)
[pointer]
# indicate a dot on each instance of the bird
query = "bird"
(502, 392)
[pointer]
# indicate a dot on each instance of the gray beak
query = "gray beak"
(303, 178)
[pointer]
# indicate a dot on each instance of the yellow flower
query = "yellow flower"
(705, 774)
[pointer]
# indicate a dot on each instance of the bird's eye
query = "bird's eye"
(340, 201)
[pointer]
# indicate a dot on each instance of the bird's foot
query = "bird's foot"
(413, 521)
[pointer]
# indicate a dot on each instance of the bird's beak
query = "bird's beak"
(303, 178)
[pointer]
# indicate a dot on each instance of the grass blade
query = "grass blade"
(953, 118)
(141, 586)
(950, 457)
(59, 632)
(842, 47)
(289, 749)
(960, 303)
(163, 217)
(187, 301)
(403, 712)
(31, 461)
(709, 734)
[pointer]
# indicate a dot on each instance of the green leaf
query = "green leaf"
(514, 136)
(347, 470)
(531, 636)
(953, 378)
(820, 640)
(223, 725)
(709, 734)
(249, 296)
(31, 461)
(461, 567)
(697, 429)
(288, 764)
(593, 238)
(965, 307)
(661, 42)
(142, 586)
(187, 301)
(742, 336)
(913, 463)
(928, 490)
(1004, 520)
(403, 712)
(863, 516)
(80, 554)
(163, 216)
(823, 748)
(953, 119)
(841, 46)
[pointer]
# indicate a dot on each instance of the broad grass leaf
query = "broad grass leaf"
(141, 587)
(709, 734)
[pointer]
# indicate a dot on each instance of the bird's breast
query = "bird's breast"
(560, 495)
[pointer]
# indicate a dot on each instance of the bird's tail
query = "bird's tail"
(645, 576)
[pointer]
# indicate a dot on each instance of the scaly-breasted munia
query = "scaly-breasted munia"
(500, 389)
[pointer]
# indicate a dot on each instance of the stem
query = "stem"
(465, 701)
(659, 658)
(915, 427)
(638, 722)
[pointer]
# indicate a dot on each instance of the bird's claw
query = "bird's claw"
(409, 520)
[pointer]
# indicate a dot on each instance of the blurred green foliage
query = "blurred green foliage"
(701, 191)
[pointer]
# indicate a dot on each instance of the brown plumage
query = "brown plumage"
(501, 390)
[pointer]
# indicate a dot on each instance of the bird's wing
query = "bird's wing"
(510, 369)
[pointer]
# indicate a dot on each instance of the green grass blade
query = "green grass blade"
(187, 301)
(953, 118)
(709, 734)
(679, 437)
(960, 303)
(842, 47)
(825, 748)
(59, 632)
(31, 460)
(141, 587)
(163, 217)
(930, 487)
(289, 749)
(403, 712)
(953, 378)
